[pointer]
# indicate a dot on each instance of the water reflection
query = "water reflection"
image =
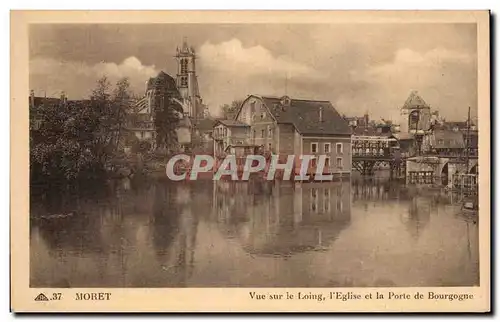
(142, 233)
(282, 219)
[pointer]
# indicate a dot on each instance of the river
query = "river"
(153, 233)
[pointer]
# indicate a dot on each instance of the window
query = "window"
(339, 163)
(262, 133)
(314, 147)
(340, 149)
(327, 148)
(142, 134)
(184, 81)
(327, 162)
(270, 147)
(269, 132)
(313, 162)
(184, 64)
(254, 134)
(263, 115)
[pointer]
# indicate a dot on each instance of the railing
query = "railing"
(232, 140)
(373, 147)
(421, 177)
(373, 153)
(462, 181)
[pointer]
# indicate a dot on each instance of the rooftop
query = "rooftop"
(232, 123)
(415, 101)
(447, 139)
(311, 117)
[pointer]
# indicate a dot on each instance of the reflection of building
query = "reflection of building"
(418, 216)
(284, 218)
(373, 189)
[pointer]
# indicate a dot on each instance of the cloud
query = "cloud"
(228, 70)
(77, 79)
(231, 56)
(440, 75)
(407, 58)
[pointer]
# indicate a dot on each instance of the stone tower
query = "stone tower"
(415, 114)
(187, 81)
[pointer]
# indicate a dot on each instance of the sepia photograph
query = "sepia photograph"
(323, 154)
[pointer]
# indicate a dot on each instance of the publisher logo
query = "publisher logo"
(41, 297)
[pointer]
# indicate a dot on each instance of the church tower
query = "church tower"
(187, 81)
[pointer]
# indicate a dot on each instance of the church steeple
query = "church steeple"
(187, 82)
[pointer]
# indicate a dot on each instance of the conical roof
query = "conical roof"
(415, 101)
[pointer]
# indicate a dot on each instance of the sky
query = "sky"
(360, 68)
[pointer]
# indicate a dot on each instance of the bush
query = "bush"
(141, 147)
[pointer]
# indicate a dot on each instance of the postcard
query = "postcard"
(250, 161)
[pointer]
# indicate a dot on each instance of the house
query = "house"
(202, 135)
(231, 137)
(356, 121)
(445, 143)
(407, 144)
(285, 126)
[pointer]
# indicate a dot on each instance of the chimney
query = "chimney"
(321, 113)
(32, 98)
(63, 97)
(367, 119)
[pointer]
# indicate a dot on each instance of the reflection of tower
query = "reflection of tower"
(186, 242)
(418, 216)
(187, 81)
(175, 228)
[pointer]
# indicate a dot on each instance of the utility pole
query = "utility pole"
(417, 136)
(467, 143)
(286, 84)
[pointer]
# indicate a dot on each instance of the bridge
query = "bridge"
(372, 152)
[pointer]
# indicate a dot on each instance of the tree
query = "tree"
(229, 110)
(121, 102)
(72, 139)
(166, 110)
(166, 120)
